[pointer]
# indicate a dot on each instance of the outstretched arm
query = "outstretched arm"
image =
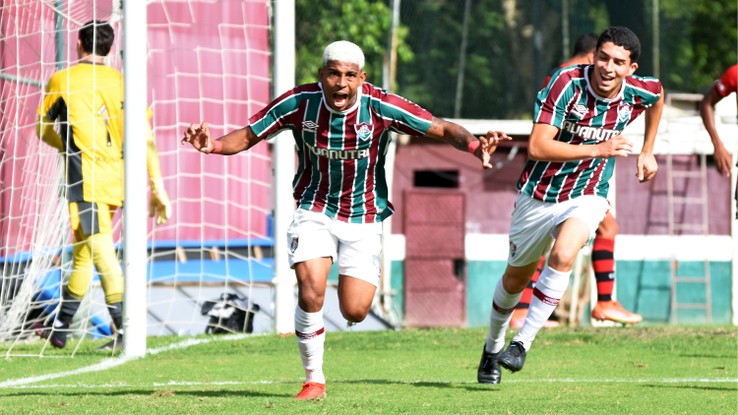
(723, 159)
(646, 166)
(462, 139)
(231, 143)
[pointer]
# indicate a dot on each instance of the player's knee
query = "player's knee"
(562, 259)
(311, 300)
(354, 313)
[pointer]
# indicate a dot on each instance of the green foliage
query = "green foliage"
(364, 22)
(634, 370)
(698, 42)
(512, 44)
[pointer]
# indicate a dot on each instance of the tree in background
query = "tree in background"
(702, 47)
(511, 43)
(364, 22)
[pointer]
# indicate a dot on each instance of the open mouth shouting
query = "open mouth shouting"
(340, 100)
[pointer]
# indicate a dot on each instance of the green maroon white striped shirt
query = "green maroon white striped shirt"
(583, 118)
(341, 154)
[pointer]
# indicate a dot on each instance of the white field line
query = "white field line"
(26, 383)
(117, 361)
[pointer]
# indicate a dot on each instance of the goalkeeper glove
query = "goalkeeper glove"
(159, 205)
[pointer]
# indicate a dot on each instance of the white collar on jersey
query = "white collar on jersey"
(591, 90)
(353, 107)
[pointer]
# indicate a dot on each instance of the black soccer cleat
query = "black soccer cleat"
(113, 345)
(512, 358)
(489, 369)
(56, 336)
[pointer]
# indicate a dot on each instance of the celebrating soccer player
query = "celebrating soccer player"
(341, 127)
(577, 133)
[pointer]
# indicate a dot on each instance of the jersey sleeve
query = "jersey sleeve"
(552, 101)
(405, 116)
(728, 82)
(47, 108)
(276, 115)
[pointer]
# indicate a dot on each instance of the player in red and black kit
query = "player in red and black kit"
(726, 85)
(603, 247)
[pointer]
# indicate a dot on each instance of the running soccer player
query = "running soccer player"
(341, 126)
(603, 246)
(577, 133)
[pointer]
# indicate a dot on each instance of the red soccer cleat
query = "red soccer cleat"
(613, 311)
(311, 390)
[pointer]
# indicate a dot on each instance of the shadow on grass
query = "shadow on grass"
(695, 387)
(158, 392)
(420, 384)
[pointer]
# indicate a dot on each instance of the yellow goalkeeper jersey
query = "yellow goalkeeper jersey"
(87, 101)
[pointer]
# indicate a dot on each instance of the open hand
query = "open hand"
(199, 137)
(488, 145)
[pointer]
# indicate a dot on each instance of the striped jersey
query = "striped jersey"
(341, 154)
(569, 103)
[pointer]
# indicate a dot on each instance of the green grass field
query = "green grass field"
(635, 370)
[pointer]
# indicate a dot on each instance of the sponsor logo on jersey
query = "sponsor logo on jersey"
(310, 127)
(590, 133)
(359, 153)
(364, 131)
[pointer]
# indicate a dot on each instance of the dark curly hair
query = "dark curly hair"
(622, 36)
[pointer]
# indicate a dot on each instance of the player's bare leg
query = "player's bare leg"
(571, 235)
(355, 297)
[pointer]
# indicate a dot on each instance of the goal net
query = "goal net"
(207, 61)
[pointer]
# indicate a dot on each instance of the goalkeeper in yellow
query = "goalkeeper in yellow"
(86, 102)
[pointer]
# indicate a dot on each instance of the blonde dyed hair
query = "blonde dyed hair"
(343, 51)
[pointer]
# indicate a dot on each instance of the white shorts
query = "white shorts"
(534, 222)
(355, 246)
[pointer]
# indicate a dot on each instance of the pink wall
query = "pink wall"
(641, 209)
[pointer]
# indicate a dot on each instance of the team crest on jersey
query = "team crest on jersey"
(364, 131)
(579, 111)
(624, 111)
(293, 244)
(309, 126)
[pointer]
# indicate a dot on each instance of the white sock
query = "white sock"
(547, 293)
(503, 304)
(310, 331)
